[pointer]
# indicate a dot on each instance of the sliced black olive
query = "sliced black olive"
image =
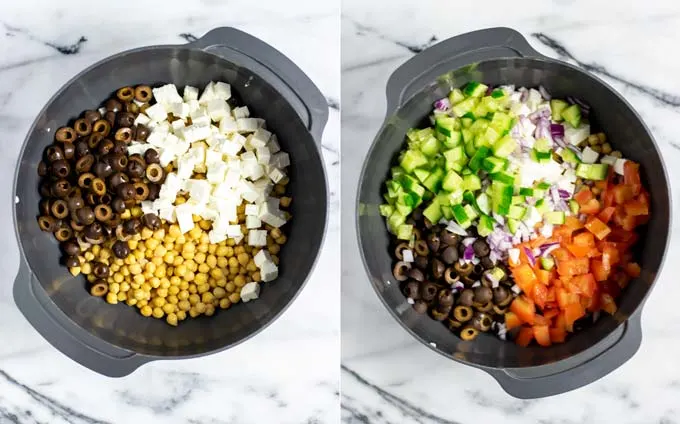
(69, 151)
(119, 148)
(85, 163)
(135, 170)
(433, 242)
(469, 333)
(467, 297)
(441, 312)
(113, 105)
(141, 134)
(398, 251)
(463, 269)
(483, 294)
(482, 322)
(445, 297)
(154, 173)
(65, 135)
(449, 239)
(60, 188)
(117, 179)
(416, 274)
(70, 248)
(60, 168)
(438, 268)
(42, 169)
(132, 227)
(47, 223)
(94, 231)
(420, 306)
(92, 116)
(71, 261)
(125, 94)
(481, 248)
(412, 290)
(450, 276)
(462, 313)
(100, 270)
(118, 205)
(486, 262)
(421, 262)
(428, 291)
(417, 214)
(54, 153)
(118, 162)
(449, 255)
(400, 270)
(453, 324)
(99, 289)
(121, 249)
(151, 221)
(105, 146)
(85, 215)
(126, 119)
(83, 127)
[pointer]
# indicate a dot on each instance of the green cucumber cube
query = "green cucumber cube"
(447, 212)
(513, 225)
(461, 216)
(471, 212)
(543, 185)
(397, 171)
(517, 212)
(445, 125)
(503, 177)
(452, 181)
(483, 203)
(485, 225)
(557, 106)
(572, 115)
(433, 182)
(454, 156)
(492, 164)
(542, 145)
(547, 263)
(471, 182)
(479, 126)
(476, 160)
(433, 212)
(395, 220)
(404, 232)
(430, 147)
(386, 210)
(501, 122)
(541, 206)
(555, 217)
(456, 96)
(466, 122)
(403, 209)
(594, 171)
(421, 174)
(475, 89)
(461, 108)
(518, 200)
(504, 146)
(453, 140)
(574, 207)
(524, 191)
(412, 159)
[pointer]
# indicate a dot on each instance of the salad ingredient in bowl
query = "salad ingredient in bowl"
(509, 215)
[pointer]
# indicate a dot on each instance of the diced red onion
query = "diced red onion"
(494, 256)
(530, 256)
(543, 129)
(468, 241)
(442, 104)
(489, 276)
(557, 130)
(544, 92)
(536, 251)
(567, 165)
(547, 248)
(576, 151)
(559, 141)
(524, 95)
(454, 228)
(469, 253)
(564, 194)
(458, 285)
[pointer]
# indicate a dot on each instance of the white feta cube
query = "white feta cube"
(184, 216)
(276, 175)
(208, 93)
(216, 237)
(196, 133)
(251, 210)
(138, 148)
(249, 156)
(269, 271)
(241, 112)
(245, 125)
(261, 257)
(273, 144)
(257, 237)
(238, 138)
(200, 117)
(167, 214)
(200, 191)
(167, 94)
(213, 157)
(216, 172)
(142, 119)
(270, 214)
(260, 138)
(166, 157)
(177, 125)
(190, 93)
(179, 110)
(248, 191)
(234, 230)
(232, 177)
(193, 105)
(253, 222)
(230, 148)
(147, 207)
(218, 109)
(263, 155)
(222, 90)
(157, 112)
(228, 125)
(619, 166)
(185, 168)
(280, 160)
(250, 291)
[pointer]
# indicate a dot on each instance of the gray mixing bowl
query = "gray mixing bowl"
(115, 339)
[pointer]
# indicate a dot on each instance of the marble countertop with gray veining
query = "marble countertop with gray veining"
(387, 376)
(287, 374)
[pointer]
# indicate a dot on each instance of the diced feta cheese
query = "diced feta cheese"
(253, 222)
(142, 119)
(200, 191)
(200, 117)
(157, 138)
(167, 94)
(270, 214)
(263, 155)
(216, 172)
(276, 175)
(213, 157)
(532, 217)
(179, 110)
(190, 93)
(231, 178)
(222, 90)
(260, 138)
(251, 210)
(589, 155)
(185, 168)
(234, 230)
(238, 138)
(261, 257)
(230, 148)
(269, 271)
(216, 237)
(273, 144)
(513, 253)
(156, 112)
(245, 125)
(218, 110)
(250, 291)
(257, 237)
(138, 148)
(576, 136)
(280, 160)
(184, 216)
(407, 254)
(208, 93)
(228, 125)
(248, 191)
(147, 207)
(177, 125)
(241, 112)
(609, 160)
(166, 157)
(260, 122)
(193, 105)
(618, 165)
(249, 156)
(547, 230)
(195, 133)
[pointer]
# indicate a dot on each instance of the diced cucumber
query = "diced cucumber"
(468, 197)
(471, 182)
(403, 209)
(471, 212)
(447, 212)
(504, 146)
(503, 177)
(594, 171)
(397, 171)
(518, 200)
(543, 185)
(524, 191)
(574, 206)
(569, 156)
(497, 93)
(470, 147)
(404, 232)
(454, 156)
(433, 212)
(456, 197)
(480, 111)
(468, 136)
(501, 122)
(476, 161)
(501, 197)
(456, 96)
(556, 217)
(493, 164)
(418, 190)
(475, 89)
(461, 108)
(430, 146)
(461, 216)
(488, 137)
(395, 220)
(466, 171)
(466, 122)
(445, 125)
(557, 106)
(490, 104)
(547, 263)
(443, 198)
(412, 159)
(433, 182)
(386, 210)
(452, 181)
(541, 206)
(542, 145)
(540, 157)
(452, 141)
(479, 126)
(517, 212)
(421, 174)
(513, 225)
(388, 199)
(485, 225)
(408, 182)
(572, 115)
(483, 203)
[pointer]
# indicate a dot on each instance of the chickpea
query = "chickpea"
(204, 268)
(146, 310)
(200, 307)
(212, 248)
(122, 297)
(234, 297)
(184, 305)
(158, 313)
(169, 258)
(201, 278)
(181, 315)
(191, 265)
(211, 261)
(194, 299)
(243, 258)
(209, 310)
(161, 292)
(230, 286)
(222, 262)
(111, 298)
(174, 231)
(207, 297)
(256, 276)
(189, 276)
(205, 225)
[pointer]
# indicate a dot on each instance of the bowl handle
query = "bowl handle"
(275, 68)
(608, 354)
(451, 54)
(62, 333)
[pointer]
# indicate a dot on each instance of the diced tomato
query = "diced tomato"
(541, 320)
(538, 241)
(608, 198)
(591, 207)
(584, 239)
(551, 313)
(633, 269)
(540, 294)
(561, 254)
(631, 173)
(636, 207)
(565, 298)
(622, 193)
(598, 228)
(543, 276)
(558, 335)
(593, 302)
(610, 256)
(524, 277)
(608, 304)
(621, 279)
(542, 335)
(572, 223)
(583, 196)
(599, 271)
(579, 251)
(606, 214)
(576, 266)
(573, 312)
(560, 322)
(525, 336)
(585, 284)
(524, 309)
(550, 297)
(512, 321)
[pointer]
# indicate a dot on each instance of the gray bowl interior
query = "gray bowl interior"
(121, 325)
(611, 114)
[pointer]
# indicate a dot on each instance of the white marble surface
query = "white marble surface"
(387, 376)
(287, 374)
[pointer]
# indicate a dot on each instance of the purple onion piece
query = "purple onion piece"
(544, 92)
(530, 255)
(557, 130)
(469, 253)
(576, 151)
(564, 194)
(442, 104)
